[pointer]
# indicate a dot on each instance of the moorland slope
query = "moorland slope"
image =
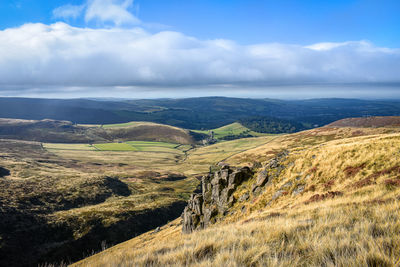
(54, 131)
(330, 199)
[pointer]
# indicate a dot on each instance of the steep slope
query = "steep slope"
(332, 199)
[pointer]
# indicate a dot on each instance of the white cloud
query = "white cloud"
(59, 55)
(115, 12)
(68, 11)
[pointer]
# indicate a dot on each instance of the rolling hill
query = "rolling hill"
(194, 113)
(323, 197)
(66, 132)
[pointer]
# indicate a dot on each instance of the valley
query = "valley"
(83, 197)
(86, 196)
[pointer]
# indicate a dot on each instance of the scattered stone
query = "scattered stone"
(157, 230)
(244, 197)
(287, 185)
(271, 171)
(277, 194)
(299, 189)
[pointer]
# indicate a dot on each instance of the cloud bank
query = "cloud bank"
(59, 55)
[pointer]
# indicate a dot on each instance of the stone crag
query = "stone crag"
(216, 197)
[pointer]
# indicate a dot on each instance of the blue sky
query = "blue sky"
(245, 21)
(199, 43)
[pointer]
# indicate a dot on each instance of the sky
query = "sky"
(168, 48)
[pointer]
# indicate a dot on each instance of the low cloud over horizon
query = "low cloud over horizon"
(63, 57)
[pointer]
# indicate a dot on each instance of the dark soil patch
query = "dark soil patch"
(320, 197)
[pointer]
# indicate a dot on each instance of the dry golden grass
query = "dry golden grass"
(339, 220)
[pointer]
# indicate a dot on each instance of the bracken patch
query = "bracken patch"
(320, 197)
(329, 184)
(392, 182)
(352, 171)
(363, 182)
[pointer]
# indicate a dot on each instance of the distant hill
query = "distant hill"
(56, 131)
(202, 113)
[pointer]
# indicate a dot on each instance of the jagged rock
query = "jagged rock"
(262, 178)
(256, 165)
(223, 165)
(216, 198)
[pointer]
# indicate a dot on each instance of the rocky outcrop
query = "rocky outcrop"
(217, 190)
(216, 197)
(271, 171)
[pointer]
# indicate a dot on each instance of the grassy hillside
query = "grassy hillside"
(231, 131)
(335, 203)
(66, 132)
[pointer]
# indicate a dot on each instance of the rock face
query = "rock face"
(216, 197)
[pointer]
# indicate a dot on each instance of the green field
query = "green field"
(115, 147)
(143, 146)
(234, 129)
(79, 147)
